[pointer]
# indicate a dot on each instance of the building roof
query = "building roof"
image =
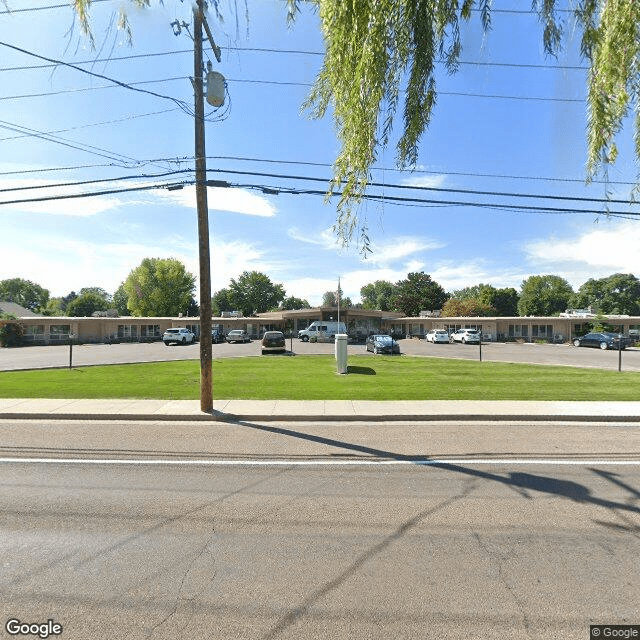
(17, 310)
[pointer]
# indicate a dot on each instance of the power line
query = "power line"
(276, 83)
(180, 103)
(476, 63)
(87, 148)
(53, 6)
(92, 194)
(423, 171)
(473, 192)
(96, 181)
(94, 124)
(276, 190)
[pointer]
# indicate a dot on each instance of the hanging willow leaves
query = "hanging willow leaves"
(383, 55)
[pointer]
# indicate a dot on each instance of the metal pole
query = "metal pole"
(206, 387)
(70, 352)
(619, 352)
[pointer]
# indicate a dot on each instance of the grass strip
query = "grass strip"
(315, 378)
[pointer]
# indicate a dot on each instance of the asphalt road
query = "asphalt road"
(320, 531)
(91, 354)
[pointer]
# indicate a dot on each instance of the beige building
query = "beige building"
(59, 330)
(360, 323)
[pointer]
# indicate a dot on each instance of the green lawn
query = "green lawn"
(315, 378)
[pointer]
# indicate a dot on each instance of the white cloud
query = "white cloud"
(602, 249)
(89, 206)
(325, 239)
(425, 181)
(400, 247)
(458, 275)
(221, 199)
(384, 254)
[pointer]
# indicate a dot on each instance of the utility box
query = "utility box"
(341, 352)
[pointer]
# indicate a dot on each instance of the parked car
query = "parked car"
(178, 335)
(604, 340)
(273, 341)
(465, 336)
(382, 344)
(217, 336)
(437, 335)
(238, 335)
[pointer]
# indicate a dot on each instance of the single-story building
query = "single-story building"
(555, 329)
(359, 322)
(44, 330)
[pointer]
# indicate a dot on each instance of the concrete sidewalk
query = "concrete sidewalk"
(318, 410)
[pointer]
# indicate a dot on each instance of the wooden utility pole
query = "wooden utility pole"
(206, 386)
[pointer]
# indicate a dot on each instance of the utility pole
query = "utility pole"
(206, 386)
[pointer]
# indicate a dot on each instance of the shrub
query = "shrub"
(11, 333)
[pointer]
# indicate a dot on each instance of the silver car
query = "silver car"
(238, 335)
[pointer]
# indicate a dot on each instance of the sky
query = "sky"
(510, 123)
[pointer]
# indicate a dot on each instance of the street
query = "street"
(289, 530)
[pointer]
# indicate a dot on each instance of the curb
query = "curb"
(218, 416)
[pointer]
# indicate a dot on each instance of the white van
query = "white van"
(322, 330)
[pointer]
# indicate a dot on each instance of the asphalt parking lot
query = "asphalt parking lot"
(95, 354)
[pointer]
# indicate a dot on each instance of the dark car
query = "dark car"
(217, 336)
(604, 340)
(273, 341)
(382, 344)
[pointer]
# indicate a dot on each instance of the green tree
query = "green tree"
(418, 292)
(66, 300)
(618, 294)
(120, 299)
(544, 296)
(24, 292)
(221, 301)
(11, 331)
(53, 308)
(291, 303)
(503, 301)
(159, 287)
(329, 299)
(467, 308)
(378, 295)
(253, 292)
(98, 291)
(86, 304)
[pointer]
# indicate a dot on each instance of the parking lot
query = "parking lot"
(94, 354)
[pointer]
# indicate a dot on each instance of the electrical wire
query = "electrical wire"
(183, 105)
(87, 148)
(94, 124)
(277, 190)
(96, 181)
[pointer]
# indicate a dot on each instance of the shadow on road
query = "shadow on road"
(523, 483)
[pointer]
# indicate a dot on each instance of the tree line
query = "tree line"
(162, 287)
